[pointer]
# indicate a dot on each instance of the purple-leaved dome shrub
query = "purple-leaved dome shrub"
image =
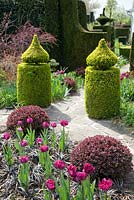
(21, 114)
(109, 157)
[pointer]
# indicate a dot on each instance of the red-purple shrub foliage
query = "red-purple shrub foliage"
(80, 71)
(70, 83)
(15, 44)
(21, 114)
(109, 157)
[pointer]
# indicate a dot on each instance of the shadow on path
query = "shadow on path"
(56, 115)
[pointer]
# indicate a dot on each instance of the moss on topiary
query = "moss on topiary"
(102, 92)
(34, 79)
(35, 53)
(102, 57)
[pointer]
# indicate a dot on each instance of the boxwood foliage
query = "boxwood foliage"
(35, 53)
(102, 83)
(34, 77)
(102, 92)
(102, 57)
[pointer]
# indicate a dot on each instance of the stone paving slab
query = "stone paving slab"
(80, 126)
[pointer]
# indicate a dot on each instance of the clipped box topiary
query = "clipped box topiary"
(102, 83)
(34, 76)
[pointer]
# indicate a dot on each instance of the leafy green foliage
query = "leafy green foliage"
(127, 113)
(127, 101)
(23, 175)
(127, 89)
(7, 150)
(8, 94)
(122, 61)
(23, 11)
(59, 90)
(2, 75)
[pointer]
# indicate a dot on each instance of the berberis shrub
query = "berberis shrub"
(109, 157)
(21, 114)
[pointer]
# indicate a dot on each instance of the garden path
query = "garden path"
(80, 126)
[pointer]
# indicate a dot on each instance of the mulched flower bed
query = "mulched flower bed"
(10, 188)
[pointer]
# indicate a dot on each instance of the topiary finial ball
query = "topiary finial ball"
(35, 53)
(102, 58)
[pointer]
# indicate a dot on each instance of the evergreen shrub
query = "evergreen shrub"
(34, 77)
(125, 51)
(102, 57)
(102, 83)
(109, 157)
(38, 115)
(102, 92)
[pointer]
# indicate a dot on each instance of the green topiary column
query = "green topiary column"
(102, 83)
(34, 76)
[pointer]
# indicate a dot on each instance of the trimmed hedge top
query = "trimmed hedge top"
(102, 57)
(35, 53)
